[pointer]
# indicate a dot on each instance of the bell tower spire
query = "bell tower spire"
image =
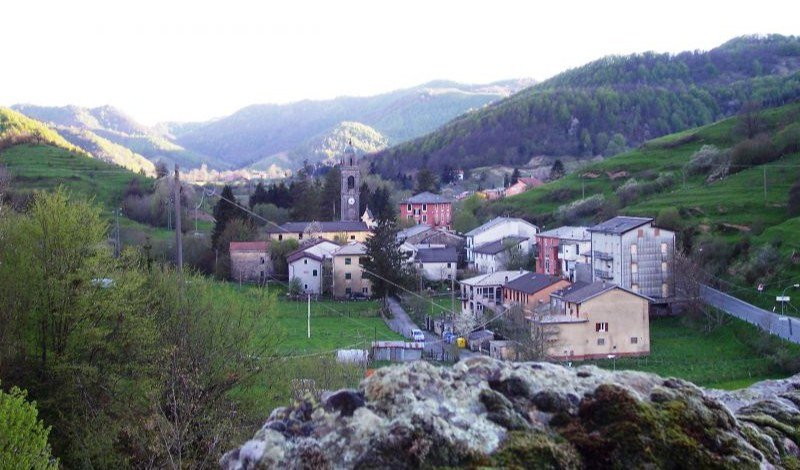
(351, 183)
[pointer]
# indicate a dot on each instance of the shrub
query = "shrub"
(708, 159)
(669, 218)
(794, 199)
(713, 254)
(751, 152)
(788, 139)
(581, 208)
(23, 437)
(762, 264)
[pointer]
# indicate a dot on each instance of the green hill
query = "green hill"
(45, 167)
(608, 105)
(736, 218)
(116, 127)
(16, 128)
(106, 150)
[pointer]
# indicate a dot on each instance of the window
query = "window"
(601, 341)
(280, 237)
(547, 265)
(634, 340)
(262, 260)
(425, 218)
(351, 181)
(348, 261)
(314, 273)
(305, 261)
(658, 231)
(664, 266)
(352, 237)
(365, 290)
(635, 288)
(601, 327)
(408, 207)
(449, 265)
(634, 268)
(424, 208)
(641, 233)
(300, 235)
(305, 286)
(348, 275)
(663, 248)
(634, 249)
(348, 291)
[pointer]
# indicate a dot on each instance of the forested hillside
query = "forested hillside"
(16, 128)
(260, 131)
(609, 105)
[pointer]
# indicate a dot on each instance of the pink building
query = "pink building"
(428, 208)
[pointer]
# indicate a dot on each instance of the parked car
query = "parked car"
(358, 296)
(417, 335)
(449, 337)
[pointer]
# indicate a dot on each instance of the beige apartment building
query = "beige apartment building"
(343, 231)
(597, 321)
(348, 277)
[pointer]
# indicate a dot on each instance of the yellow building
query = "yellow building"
(597, 321)
(337, 231)
(348, 277)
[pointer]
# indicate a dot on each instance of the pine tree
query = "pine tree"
(385, 263)
(224, 211)
(381, 204)
(557, 170)
(426, 181)
(331, 192)
(259, 196)
(364, 198)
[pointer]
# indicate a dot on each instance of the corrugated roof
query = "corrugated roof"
(493, 222)
(427, 198)
(351, 249)
(498, 278)
(495, 247)
(327, 226)
(413, 230)
(620, 224)
(532, 283)
(437, 255)
(568, 233)
(249, 246)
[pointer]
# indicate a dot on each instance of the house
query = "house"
(531, 182)
(425, 236)
(497, 229)
(348, 276)
(250, 261)
(532, 290)
(397, 351)
(564, 252)
(517, 188)
(502, 349)
(369, 219)
(428, 208)
(480, 340)
(495, 256)
(493, 193)
(437, 264)
(597, 321)
(485, 291)
(632, 253)
(307, 264)
(343, 231)
(415, 234)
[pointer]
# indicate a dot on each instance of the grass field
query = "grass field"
(44, 167)
(725, 358)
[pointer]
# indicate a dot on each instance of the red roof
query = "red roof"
(249, 246)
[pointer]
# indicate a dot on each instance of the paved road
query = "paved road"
(778, 325)
(401, 323)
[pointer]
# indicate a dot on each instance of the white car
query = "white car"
(417, 335)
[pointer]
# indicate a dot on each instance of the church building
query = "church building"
(351, 181)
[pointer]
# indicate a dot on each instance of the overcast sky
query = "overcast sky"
(194, 60)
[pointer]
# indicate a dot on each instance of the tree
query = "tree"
(465, 221)
(259, 196)
(331, 195)
(385, 264)
(690, 275)
(364, 198)
(515, 176)
(426, 181)
(669, 218)
(557, 170)
(23, 437)
(161, 170)
(533, 337)
(224, 211)
(750, 122)
(381, 204)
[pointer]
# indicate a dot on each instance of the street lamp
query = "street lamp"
(783, 299)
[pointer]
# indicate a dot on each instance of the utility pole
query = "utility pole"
(178, 239)
(117, 249)
(452, 294)
(765, 183)
(309, 315)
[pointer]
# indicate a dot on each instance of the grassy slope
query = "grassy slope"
(721, 359)
(44, 167)
(738, 199)
(106, 150)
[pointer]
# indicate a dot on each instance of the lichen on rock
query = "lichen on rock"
(487, 413)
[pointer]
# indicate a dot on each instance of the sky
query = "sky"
(195, 60)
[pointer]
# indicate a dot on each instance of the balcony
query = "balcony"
(601, 255)
(602, 274)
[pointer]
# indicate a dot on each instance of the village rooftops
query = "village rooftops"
(260, 246)
(498, 278)
(437, 255)
(581, 292)
(427, 198)
(492, 223)
(620, 224)
(327, 227)
(354, 249)
(413, 230)
(531, 181)
(303, 251)
(568, 233)
(532, 283)
(498, 246)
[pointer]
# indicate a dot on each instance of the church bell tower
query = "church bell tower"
(351, 182)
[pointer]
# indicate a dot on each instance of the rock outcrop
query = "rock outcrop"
(486, 413)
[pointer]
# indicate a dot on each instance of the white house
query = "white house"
(498, 229)
(633, 254)
(485, 291)
(306, 264)
(437, 264)
(494, 256)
